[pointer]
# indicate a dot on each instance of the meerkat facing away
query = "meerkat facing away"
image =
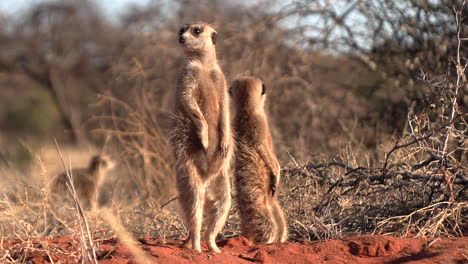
(86, 181)
(201, 136)
(257, 171)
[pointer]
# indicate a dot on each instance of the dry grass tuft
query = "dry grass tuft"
(86, 241)
(444, 219)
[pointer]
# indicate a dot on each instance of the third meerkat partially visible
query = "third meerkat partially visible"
(87, 184)
(257, 170)
(201, 136)
(86, 181)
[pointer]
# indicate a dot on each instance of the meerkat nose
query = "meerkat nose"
(181, 40)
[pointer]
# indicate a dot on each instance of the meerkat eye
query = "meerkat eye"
(214, 37)
(197, 31)
(230, 91)
(263, 89)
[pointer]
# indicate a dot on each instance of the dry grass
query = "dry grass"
(26, 214)
(88, 250)
(437, 220)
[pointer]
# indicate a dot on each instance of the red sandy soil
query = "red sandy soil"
(354, 249)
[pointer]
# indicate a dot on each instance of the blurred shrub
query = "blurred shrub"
(31, 115)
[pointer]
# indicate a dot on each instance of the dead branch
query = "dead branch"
(461, 179)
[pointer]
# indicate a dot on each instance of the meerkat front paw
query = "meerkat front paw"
(224, 146)
(273, 185)
(203, 136)
(275, 178)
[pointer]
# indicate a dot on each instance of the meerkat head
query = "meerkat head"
(197, 37)
(101, 163)
(248, 92)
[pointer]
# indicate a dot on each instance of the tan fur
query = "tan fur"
(201, 137)
(257, 171)
(87, 182)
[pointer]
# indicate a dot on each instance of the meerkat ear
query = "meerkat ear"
(263, 89)
(214, 37)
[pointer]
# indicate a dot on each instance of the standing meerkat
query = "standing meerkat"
(201, 137)
(86, 181)
(257, 170)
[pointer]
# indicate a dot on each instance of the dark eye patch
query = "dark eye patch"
(214, 37)
(263, 89)
(182, 30)
(197, 31)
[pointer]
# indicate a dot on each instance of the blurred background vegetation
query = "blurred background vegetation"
(341, 75)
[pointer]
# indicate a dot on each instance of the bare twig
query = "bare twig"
(168, 202)
(89, 253)
(460, 77)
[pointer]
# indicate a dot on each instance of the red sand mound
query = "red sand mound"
(355, 249)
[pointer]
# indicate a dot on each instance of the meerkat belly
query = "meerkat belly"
(184, 137)
(251, 173)
(208, 102)
(208, 99)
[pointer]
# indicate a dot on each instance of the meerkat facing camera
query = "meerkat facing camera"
(201, 136)
(86, 181)
(257, 171)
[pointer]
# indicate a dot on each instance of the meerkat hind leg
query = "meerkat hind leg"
(272, 233)
(217, 205)
(191, 197)
(282, 227)
(266, 230)
(260, 225)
